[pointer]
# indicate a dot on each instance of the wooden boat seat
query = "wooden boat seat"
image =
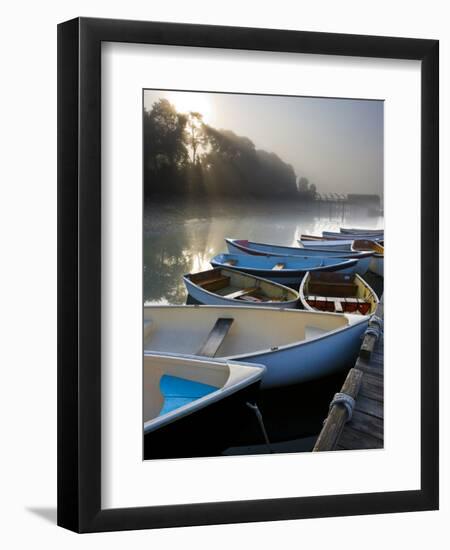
(215, 283)
(215, 337)
(240, 293)
(335, 299)
(277, 267)
(180, 391)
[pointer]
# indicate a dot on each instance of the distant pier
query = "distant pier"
(361, 397)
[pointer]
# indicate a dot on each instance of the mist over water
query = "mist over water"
(181, 238)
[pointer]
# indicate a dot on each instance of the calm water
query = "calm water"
(180, 239)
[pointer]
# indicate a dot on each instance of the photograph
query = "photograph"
(263, 258)
(223, 194)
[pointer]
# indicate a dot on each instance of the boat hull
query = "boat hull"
(361, 231)
(330, 246)
(310, 360)
(377, 265)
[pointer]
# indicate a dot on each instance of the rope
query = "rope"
(375, 327)
(346, 400)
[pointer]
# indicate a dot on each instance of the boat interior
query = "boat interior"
(227, 331)
(365, 244)
(173, 382)
(338, 293)
(239, 286)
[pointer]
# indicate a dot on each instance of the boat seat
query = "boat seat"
(277, 267)
(240, 293)
(215, 337)
(215, 283)
(179, 391)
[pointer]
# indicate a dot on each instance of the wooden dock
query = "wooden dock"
(364, 387)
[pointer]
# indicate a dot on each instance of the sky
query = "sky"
(336, 143)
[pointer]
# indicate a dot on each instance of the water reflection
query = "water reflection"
(180, 239)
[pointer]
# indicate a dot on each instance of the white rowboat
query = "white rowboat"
(337, 293)
(294, 345)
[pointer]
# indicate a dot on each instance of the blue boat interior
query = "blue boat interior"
(179, 391)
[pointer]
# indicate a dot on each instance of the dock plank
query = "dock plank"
(365, 430)
(372, 388)
(367, 424)
(369, 406)
(353, 440)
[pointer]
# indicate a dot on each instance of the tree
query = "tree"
(195, 133)
(184, 157)
(306, 190)
(165, 151)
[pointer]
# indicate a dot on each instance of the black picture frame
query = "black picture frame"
(79, 274)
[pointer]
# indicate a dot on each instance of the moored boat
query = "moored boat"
(354, 236)
(239, 246)
(328, 245)
(360, 231)
(294, 345)
(285, 270)
(192, 405)
(337, 293)
(377, 260)
(224, 286)
(367, 244)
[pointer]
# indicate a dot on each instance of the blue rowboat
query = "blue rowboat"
(337, 246)
(184, 398)
(355, 236)
(239, 246)
(359, 231)
(294, 345)
(230, 287)
(286, 270)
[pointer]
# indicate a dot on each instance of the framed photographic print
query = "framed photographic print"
(233, 346)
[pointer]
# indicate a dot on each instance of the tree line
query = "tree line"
(185, 157)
